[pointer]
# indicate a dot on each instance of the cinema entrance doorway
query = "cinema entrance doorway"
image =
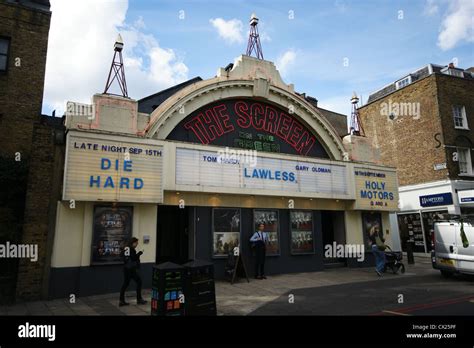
(172, 234)
(334, 231)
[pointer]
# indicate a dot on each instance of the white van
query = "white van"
(449, 255)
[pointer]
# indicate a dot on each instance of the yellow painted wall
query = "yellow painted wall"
(67, 249)
(73, 236)
(353, 221)
(386, 227)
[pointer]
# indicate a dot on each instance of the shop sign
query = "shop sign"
(466, 196)
(439, 166)
(210, 170)
(436, 200)
(375, 189)
(112, 171)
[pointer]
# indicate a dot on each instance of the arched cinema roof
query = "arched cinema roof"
(249, 78)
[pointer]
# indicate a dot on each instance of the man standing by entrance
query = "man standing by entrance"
(260, 239)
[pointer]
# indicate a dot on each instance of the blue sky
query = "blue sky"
(167, 42)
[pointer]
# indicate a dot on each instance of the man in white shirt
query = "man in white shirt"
(260, 240)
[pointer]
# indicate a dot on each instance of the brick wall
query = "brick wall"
(408, 143)
(21, 88)
(456, 91)
(43, 191)
(24, 130)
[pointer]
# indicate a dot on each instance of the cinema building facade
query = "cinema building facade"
(163, 169)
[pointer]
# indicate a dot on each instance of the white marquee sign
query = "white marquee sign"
(211, 170)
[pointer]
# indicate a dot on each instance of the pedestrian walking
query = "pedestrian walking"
(377, 246)
(131, 269)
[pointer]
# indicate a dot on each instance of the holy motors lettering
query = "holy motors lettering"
(376, 190)
(217, 121)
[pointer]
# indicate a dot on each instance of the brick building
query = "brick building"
(29, 151)
(423, 124)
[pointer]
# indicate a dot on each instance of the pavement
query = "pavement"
(338, 291)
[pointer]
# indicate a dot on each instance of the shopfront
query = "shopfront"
(421, 205)
(466, 201)
(193, 179)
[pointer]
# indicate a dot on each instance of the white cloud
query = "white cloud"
(431, 8)
(139, 23)
(231, 30)
(285, 61)
(80, 51)
(457, 26)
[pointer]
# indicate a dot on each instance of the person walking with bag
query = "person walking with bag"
(260, 240)
(378, 247)
(131, 271)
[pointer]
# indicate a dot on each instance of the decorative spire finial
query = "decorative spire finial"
(254, 38)
(356, 124)
(118, 69)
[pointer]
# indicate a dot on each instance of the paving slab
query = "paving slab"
(17, 309)
(240, 298)
(36, 308)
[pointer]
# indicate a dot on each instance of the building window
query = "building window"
(403, 82)
(464, 160)
(455, 72)
(459, 116)
(4, 48)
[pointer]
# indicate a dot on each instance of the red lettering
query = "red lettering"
(258, 115)
(223, 118)
(213, 127)
(271, 118)
(283, 126)
(295, 133)
(198, 129)
(244, 120)
(217, 120)
(306, 143)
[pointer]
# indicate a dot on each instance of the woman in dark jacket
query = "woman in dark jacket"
(131, 271)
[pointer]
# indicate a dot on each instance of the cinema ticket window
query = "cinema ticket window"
(269, 218)
(112, 229)
(301, 229)
(225, 231)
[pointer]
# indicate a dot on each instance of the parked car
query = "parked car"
(452, 251)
